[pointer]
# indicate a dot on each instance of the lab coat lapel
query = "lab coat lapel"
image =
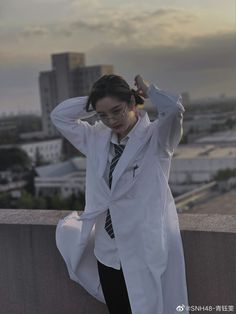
(135, 142)
(103, 146)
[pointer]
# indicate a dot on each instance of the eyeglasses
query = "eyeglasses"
(117, 114)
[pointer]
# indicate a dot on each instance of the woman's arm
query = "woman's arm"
(67, 119)
(170, 115)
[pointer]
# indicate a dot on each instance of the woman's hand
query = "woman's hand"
(141, 85)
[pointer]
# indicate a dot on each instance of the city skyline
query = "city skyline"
(178, 45)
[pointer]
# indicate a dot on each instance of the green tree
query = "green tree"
(57, 202)
(14, 158)
(225, 174)
(40, 203)
(230, 123)
(26, 201)
(5, 200)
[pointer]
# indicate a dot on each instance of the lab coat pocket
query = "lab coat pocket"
(132, 172)
(136, 170)
(129, 179)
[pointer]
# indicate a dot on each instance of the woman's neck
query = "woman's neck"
(121, 136)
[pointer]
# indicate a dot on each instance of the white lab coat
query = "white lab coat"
(142, 208)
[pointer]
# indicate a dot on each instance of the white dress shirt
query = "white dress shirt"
(105, 248)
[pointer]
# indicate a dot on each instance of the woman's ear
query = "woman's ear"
(133, 106)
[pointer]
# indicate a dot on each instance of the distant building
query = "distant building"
(219, 138)
(65, 66)
(45, 151)
(5, 176)
(85, 76)
(48, 151)
(69, 77)
(36, 135)
(197, 164)
(48, 99)
(64, 178)
(14, 188)
(8, 130)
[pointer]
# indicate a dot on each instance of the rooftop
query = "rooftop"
(62, 168)
(224, 137)
(204, 151)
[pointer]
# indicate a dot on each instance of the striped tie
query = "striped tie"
(118, 152)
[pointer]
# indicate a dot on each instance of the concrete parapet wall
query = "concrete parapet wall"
(34, 278)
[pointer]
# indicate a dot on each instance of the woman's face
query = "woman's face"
(117, 115)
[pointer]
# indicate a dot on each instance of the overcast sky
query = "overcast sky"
(179, 45)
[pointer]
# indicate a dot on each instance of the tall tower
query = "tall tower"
(65, 66)
(68, 78)
(85, 77)
(48, 98)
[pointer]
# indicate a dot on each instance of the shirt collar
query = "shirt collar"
(114, 138)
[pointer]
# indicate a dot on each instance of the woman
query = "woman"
(133, 259)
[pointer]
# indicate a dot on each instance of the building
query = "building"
(64, 178)
(193, 165)
(69, 77)
(65, 66)
(48, 99)
(48, 151)
(224, 137)
(85, 76)
(45, 151)
(8, 130)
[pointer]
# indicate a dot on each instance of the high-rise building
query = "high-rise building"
(65, 66)
(85, 77)
(69, 77)
(48, 98)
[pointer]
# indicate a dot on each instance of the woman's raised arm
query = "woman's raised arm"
(170, 115)
(67, 119)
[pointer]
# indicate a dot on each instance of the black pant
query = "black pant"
(114, 289)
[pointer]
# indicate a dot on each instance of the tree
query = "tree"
(225, 174)
(14, 158)
(5, 200)
(230, 123)
(26, 201)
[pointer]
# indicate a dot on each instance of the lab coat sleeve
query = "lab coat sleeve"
(169, 128)
(66, 117)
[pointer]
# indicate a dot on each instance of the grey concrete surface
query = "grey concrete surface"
(33, 275)
(34, 278)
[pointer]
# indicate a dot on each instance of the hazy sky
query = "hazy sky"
(184, 45)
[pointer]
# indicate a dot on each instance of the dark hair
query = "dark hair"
(114, 86)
